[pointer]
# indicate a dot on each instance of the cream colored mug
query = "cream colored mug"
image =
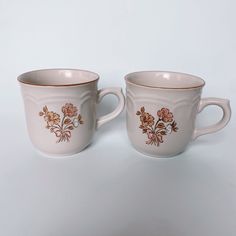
(60, 108)
(162, 109)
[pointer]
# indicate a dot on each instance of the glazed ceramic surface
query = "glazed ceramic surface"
(60, 108)
(162, 109)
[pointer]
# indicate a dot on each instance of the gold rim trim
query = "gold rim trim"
(167, 88)
(57, 85)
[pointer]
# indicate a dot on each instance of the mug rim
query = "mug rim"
(21, 77)
(202, 81)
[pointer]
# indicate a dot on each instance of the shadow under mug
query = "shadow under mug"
(60, 108)
(162, 109)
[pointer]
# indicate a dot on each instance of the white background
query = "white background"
(109, 189)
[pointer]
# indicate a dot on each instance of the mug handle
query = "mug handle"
(121, 103)
(224, 105)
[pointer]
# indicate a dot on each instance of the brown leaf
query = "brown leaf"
(163, 132)
(70, 127)
(174, 127)
(45, 109)
(142, 109)
(41, 113)
(67, 121)
(79, 117)
(160, 125)
(144, 131)
(138, 113)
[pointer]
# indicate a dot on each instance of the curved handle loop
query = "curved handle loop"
(224, 105)
(121, 103)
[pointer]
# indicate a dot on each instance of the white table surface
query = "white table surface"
(110, 189)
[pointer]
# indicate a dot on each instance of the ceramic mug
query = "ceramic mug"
(162, 109)
(60, 107)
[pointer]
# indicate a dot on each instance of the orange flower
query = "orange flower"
(146, 119)
(69, 110)
(165, 115)
(52, 118)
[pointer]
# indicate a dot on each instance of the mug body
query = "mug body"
(161, 111)
(60, 109)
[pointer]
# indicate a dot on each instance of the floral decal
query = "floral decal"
(62, 127)
(155, 131)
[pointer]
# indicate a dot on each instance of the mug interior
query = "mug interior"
(164, 79)
(58, 77)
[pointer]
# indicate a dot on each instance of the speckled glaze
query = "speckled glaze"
(162, 109)
(60, 108)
